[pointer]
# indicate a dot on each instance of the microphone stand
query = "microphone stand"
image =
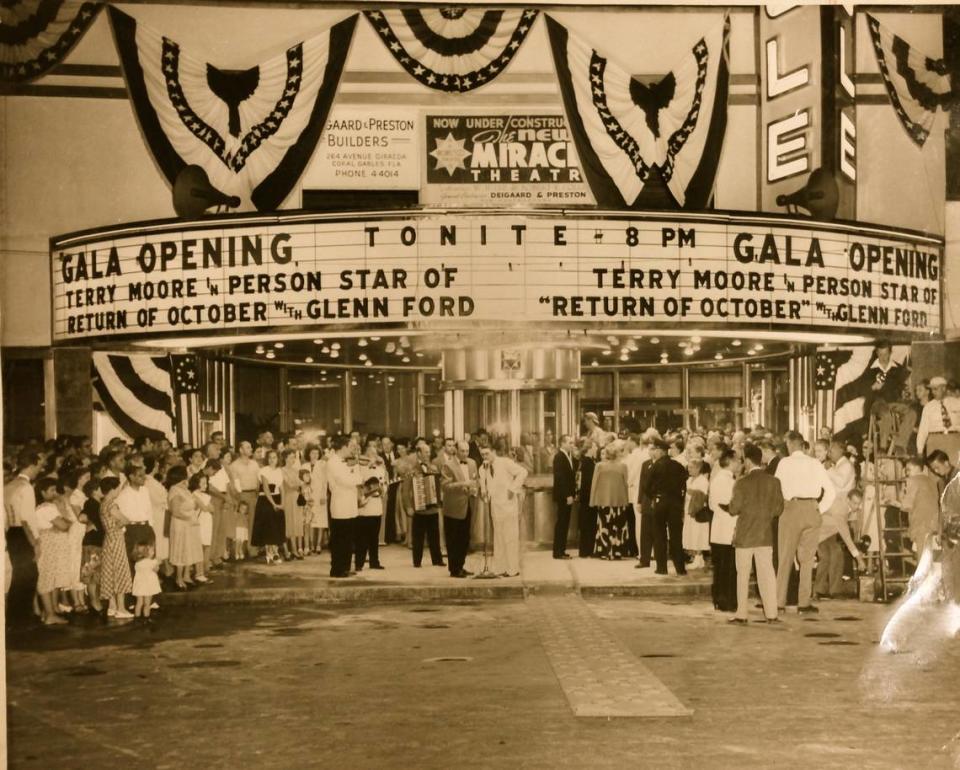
(485, 572)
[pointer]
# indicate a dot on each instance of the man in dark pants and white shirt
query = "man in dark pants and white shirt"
(564, 492)
(804, 482)
(343, 482)
(460, 482)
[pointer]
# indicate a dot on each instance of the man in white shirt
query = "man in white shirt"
(343, 482)
(19, 503)
(724, 588)
(133, 500)
(807, 492)
(939, 426)
(501, 480)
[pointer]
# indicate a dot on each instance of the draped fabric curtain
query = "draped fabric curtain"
(917, 84)
(453, 49)
(626, 131)
(36, 35)
(136, 390)
(253, 131)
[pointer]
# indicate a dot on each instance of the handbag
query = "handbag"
(704, 515)
(167, 516)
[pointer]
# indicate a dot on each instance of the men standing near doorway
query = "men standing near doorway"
(245, 472)
(343, 482)
(939, 423)
(804, 482)
(460, 481)
(426, 506)
(501, 480)
(20, 502)
(666, 489)
(564, 493)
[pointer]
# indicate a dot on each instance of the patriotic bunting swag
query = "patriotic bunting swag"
(915, 83)
(453, 49)
(858, 382)
(626, 130)
(35, 35)
(136, 390)
(252, 131)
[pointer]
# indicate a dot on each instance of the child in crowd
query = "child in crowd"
(306, 501)
(921, 501)
(146, 584)
(92, 542)
(198, 485)
(241, 534)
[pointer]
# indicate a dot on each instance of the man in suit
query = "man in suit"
(564, 492)
(644, 503)
(635, 455)
(342, 482)
(667, 490)
(757, 501)
(460, 482)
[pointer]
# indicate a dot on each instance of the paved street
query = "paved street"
(482, 684)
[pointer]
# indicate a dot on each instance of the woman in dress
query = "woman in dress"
(609, 494)
(186, 549)
(269, 528)
(115, 578)
(92, 542)
(68, 577)
(292, 512)
(53, 547)
(319, 518)
(587, 513)
(696, 534)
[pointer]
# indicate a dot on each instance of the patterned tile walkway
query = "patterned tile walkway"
(599, 676)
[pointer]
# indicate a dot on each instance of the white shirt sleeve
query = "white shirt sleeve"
(926, 424)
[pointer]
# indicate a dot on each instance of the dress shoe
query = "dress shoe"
(466, 572)
(774, 620)
(564, 556)
(458, 575)
(808, 610)
(658, 572)
(682, 574)
(377, 566)
(339, 574)
(440, 564)
(738, 621)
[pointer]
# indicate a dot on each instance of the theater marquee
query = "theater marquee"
(297, 270)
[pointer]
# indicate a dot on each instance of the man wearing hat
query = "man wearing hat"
(940, 422)
(665, 487)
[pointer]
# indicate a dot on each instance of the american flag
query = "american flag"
(185, 377)
(825, 373)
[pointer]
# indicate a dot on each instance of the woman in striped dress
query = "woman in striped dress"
(115, 578)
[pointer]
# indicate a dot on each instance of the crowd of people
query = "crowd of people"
(109, 531)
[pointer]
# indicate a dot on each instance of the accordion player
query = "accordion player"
(425, 491)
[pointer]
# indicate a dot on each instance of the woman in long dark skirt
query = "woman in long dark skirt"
(586, 512)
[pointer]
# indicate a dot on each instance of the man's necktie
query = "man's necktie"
(945, 416)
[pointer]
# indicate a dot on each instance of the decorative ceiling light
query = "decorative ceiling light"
(654, 340)
(335, 346)
(368, 362)
(682, 344)
(607, 352)
(390, 347)
(370, 376)
(362, 342)
(695, 339)
(271, 354)
(405, 341)
(719, 356)
(736, 343)
(308, 360)
(323, 371)
(688, 351)
(418, 354)
(406, 359)
(334, 354)
(323, 379)
(594, 362)
(751, 352)
(632, 346)
(391, 379)
(758, 346)
(624, 357)
(612, 339)
(354, 383)
(325, 350)
(278, 345)
(375, 339)
(695, 348)
(260, 349)
(362, 356)
(318, 342)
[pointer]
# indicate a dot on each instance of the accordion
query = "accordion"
(425, 492)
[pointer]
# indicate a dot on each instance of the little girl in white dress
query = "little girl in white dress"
(146, 584)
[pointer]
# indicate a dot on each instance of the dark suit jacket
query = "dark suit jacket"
(564, 477)
(667, 486)
(757, 500)
(645, 498)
